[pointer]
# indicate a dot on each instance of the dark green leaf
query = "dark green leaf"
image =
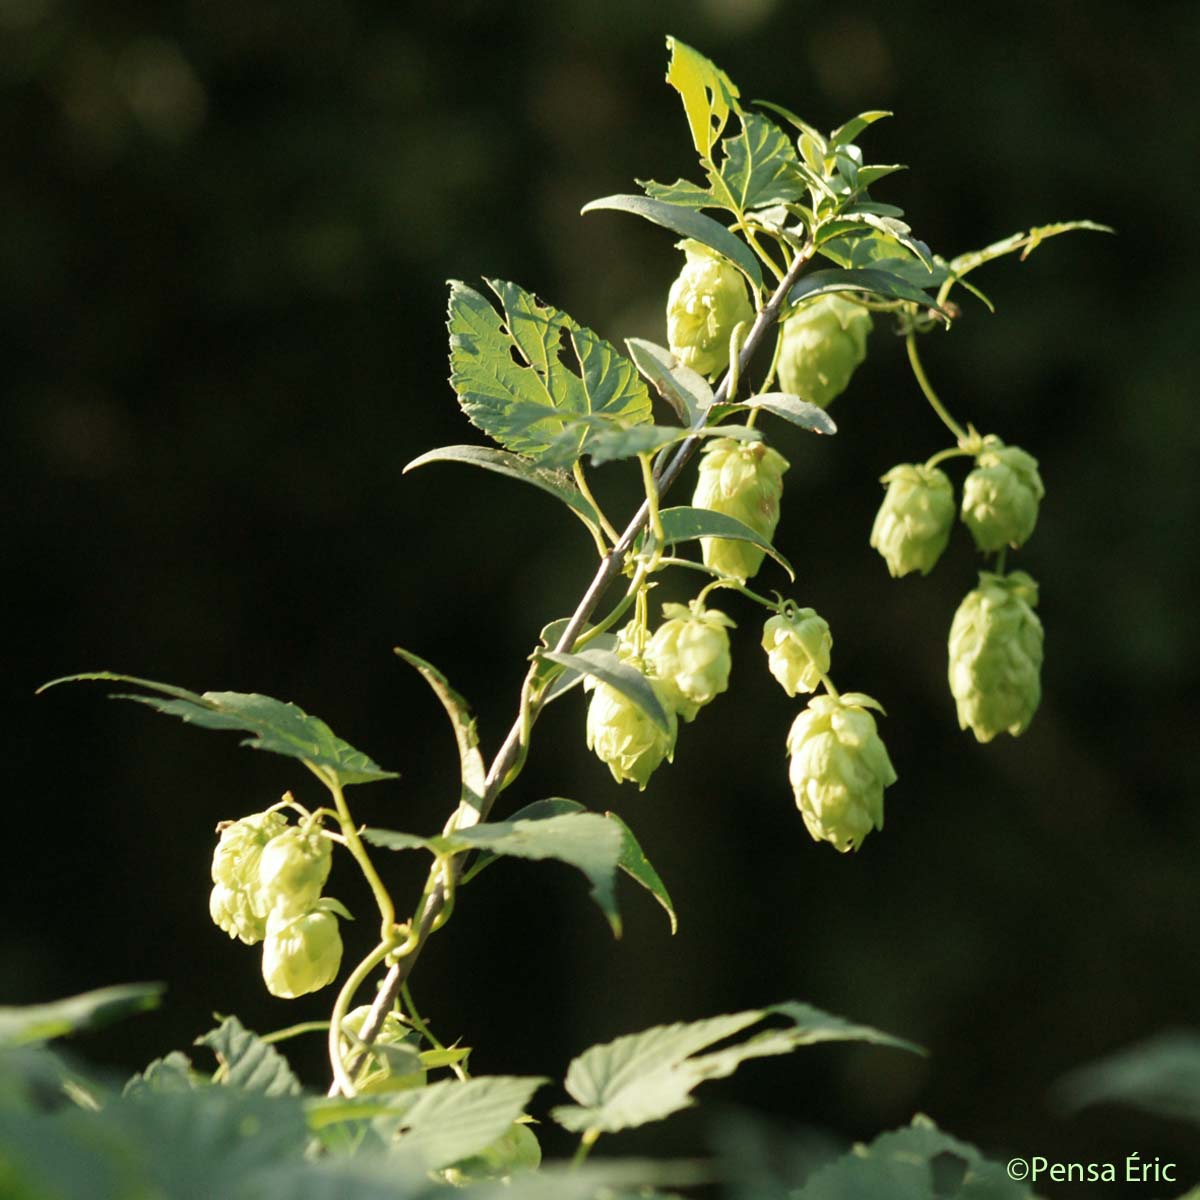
(472, 771)
(526, 404)
(810, 1025)
(684, 524)
(689, 224)
(892, 235)
(870, 280)
(22, 1026)
(565, 680)
(760, 166)
(685, 390)
(172, 1073)
(628, 680)
(250, 1064)
(279, 727)
(638, 867)
(557, 483)
(682, 192)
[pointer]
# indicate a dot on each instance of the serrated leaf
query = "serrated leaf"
(172, 1073)
(791, 408)
(641, 870)
(812, 1025)
(707, 93)
(512, 377)
(852, 128)
(760, 166)
(682, 192)
(275, 725)
(684, 524)
(472, 771)
(685, 390)
(628, 680)
(250, 1064)
(503, 462)
(869, 279)
(27, 1024)
(690, 224)
(456, 1118)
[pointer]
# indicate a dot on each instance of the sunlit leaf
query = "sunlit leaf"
(249, 1064)
(682, 192)
(684, 524)
(707, 93)
(685, 390)
(760, 166)
(628, 680)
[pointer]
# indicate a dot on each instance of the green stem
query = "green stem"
(341, 1007)
(938, 407)
(586, 1142)
(833, 692)
(291, 1031)
(423, 1029)
(942, 455)
(732, 584)
(586, 492)
(651, 486)
(387, 909)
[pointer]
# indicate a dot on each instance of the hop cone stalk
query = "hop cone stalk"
(839, 768)
(913, 524)
(742, 480)
(706, 302)
(798, 645)
(689, 653)
(823, 342)
(624, 736)
(301, 953)
(996, 656)
(1001, 496)
(237, 904)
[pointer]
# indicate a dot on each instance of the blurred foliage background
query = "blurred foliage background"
(225, 231)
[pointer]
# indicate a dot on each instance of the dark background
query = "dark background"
(225, 231)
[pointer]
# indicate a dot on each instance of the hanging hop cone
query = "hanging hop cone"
(237, 904)
(823, 342)
(798, 645)
(706, 302)
(996, 656)
(742, 480)
(302, 951)
(624, 736)
(913, 524)
(689, 653)
(1001, 496)
(293, 868)
(839, 768)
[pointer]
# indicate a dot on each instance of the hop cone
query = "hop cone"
(293, 868)
(237, 904)
(689, 653)
(913, 524)
(705, 304)
(996, 656)
(1001, 496)
(742, 480)
(798, 644)
(624, 737)
(839, 768)
(301, 953)
(822, 344)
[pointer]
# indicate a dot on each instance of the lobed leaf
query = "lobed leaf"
(760, 166)
(707, 92)
(27, 1024)
(250, 1064)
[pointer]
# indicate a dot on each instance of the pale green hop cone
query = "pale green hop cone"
(293, 868)
(689, 653)
(706, 303)
(624, 737)
(742, 480)
(823, 342)
(798, 645)
(1001, 496)
(301, 953)
(914, 521)
(237, 904)
(839, 768)
(996, 656)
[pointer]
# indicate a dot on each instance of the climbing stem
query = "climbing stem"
(938, 407)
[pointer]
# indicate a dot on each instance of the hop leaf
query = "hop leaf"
(390, 1047)
(1001, 496)
(624, 736)
(839, 768)
(913, 524)
(742, 480)
(293, 868)
(705, 304)
(689, 653)
(996, 656)
(798, 645)
(302, 953)
(823, 342)
(237, 904)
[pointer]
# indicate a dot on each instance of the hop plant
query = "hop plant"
(514, 1151)
(996, 656)
(377, 1074)
(742, 480)
(302, 952)
(624, 736)
(706, 302)
(839, 768)
(293, 868)
(913, 524)
(689, 653)
(237, 903)
(822, 343)
(798, 645)
(1001, 496)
